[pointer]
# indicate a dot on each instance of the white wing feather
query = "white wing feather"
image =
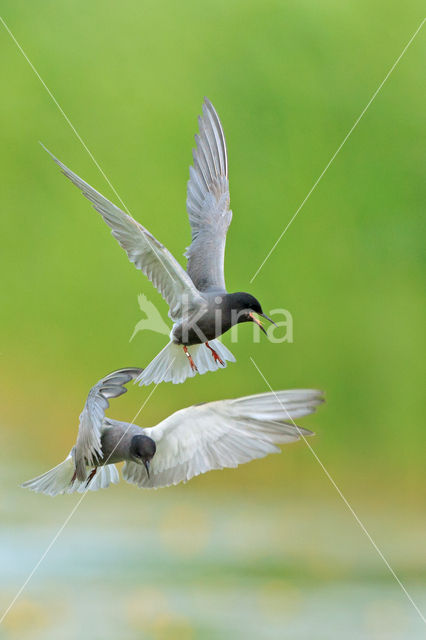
(222, 434)
(143, 249)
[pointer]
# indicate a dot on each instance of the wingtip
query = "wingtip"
(303, 432)
(49, 152)
(321, 396)
(132, 371)
(207, 104)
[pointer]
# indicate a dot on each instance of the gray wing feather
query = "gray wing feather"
(142, 248)
(208, 204)
(88, 449)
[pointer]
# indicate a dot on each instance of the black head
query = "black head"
(243, 306)
(245, 302)
(142, 450)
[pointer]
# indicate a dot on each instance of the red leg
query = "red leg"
(191, 362)
(215, 355)
(91, 475)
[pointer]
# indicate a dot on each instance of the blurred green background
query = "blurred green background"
(267, 550)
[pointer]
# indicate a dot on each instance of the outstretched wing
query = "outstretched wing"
(223, 434)
(208, 204)
(145, 251)
(88, 446)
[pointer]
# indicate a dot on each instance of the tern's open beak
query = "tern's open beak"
(265, 316)
(146, 465)
(257, 321)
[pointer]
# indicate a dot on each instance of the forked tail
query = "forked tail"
(60, 479)
(172, 365)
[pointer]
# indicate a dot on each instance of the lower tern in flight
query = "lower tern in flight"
(194, 440)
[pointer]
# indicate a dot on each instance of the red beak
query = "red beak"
(257, 321)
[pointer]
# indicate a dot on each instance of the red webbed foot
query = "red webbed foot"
(216, 357)
(191, 362)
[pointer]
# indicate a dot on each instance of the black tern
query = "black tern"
(200, 306)
(194, 440)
